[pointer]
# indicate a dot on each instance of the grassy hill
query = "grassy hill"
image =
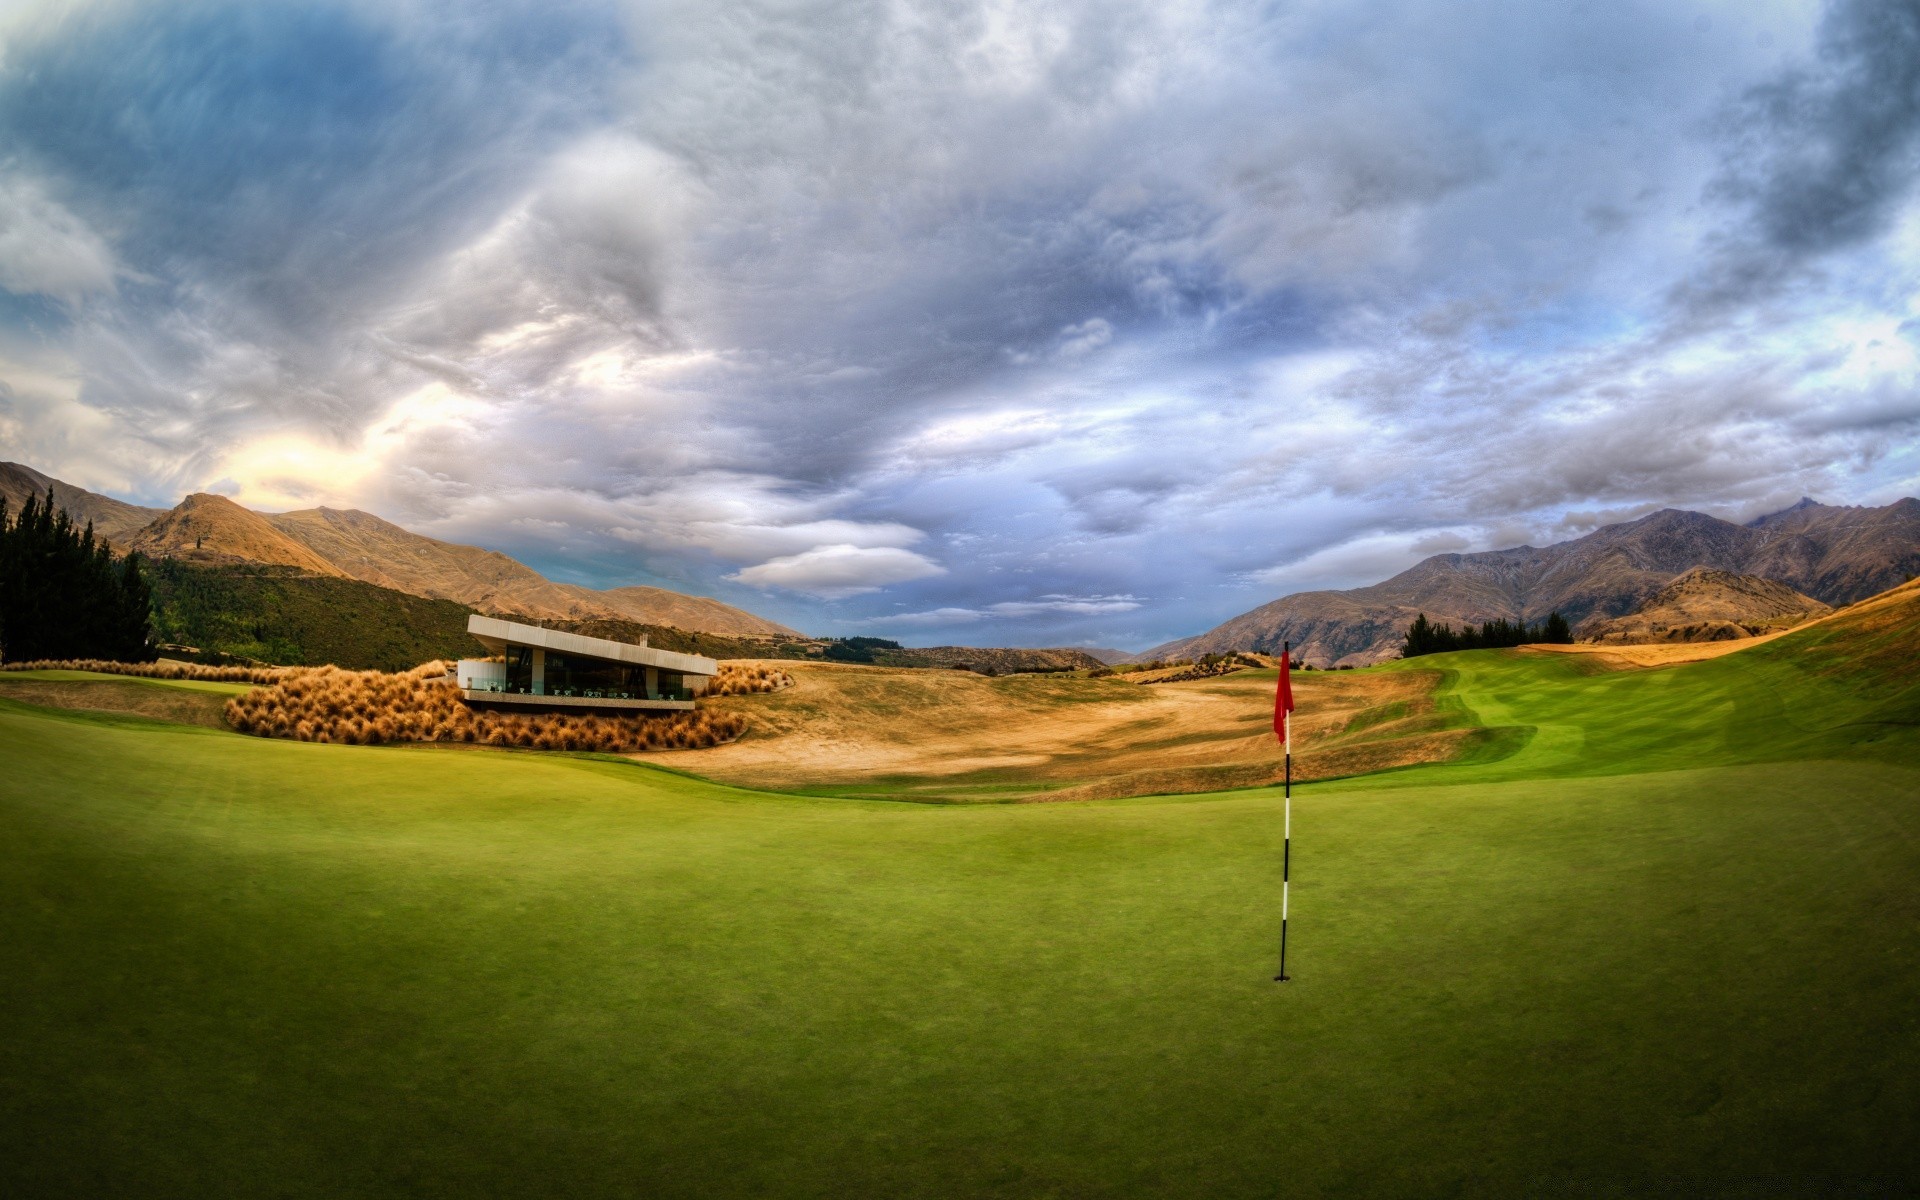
(1662, 943)
(279, 615)
(953, 736)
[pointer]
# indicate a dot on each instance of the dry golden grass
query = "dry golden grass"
(952, 735)
(748, 679)
(422, 705)
(127, 697)
(165, 669)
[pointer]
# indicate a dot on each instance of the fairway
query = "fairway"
(245, 967)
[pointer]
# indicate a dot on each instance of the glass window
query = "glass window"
(519, 669)
(595, 677)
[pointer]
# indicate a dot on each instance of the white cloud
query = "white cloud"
(1084, 338)
(1053, 605)
(835, 572)
(46, 250)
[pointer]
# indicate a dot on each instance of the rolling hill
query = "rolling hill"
(210, 530)
(368, 548)
(1705, 605)
(114, 520)
(289, 617)
(1833, 554)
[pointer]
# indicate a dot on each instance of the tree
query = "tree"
(1556, 631)
(62, 593)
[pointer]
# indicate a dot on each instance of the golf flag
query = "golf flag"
(1283, 728)
(1283, 701)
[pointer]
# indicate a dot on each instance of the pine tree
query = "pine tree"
(1419, 638)
(62, 594)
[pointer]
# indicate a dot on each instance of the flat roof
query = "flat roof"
(497, 633)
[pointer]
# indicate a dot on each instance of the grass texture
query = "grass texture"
(1664, 943)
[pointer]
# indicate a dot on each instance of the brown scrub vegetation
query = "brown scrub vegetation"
(198, 672)
(422, 705)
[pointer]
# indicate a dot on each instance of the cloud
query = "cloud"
(46, 250)
(1084, 338)
(1118, 304)
(1053, 605)
(835, 572)
(1829, 150)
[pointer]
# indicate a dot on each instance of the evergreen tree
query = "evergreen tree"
(1556, 631)
(1419, 638)
(62, 594)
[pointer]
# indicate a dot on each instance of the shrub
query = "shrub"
(742, 679)
(166, 670)
(326, 704)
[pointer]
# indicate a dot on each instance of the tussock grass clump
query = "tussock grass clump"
(166, 670)
(742, 680)
(372, 707)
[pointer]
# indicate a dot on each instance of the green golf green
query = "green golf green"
(1667, 945)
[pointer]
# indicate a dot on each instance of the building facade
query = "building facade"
(533, 667)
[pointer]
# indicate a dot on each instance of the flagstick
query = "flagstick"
(1286, 838)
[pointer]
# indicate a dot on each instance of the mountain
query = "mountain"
(209, 530)
(1107, 656)
(658, 606)
(212, 531)
(367, 548)
(1705, 605)
(1833, 554)
(114, 520)
(1839, 554)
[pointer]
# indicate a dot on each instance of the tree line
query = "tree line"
(63, 594)
(857, 649)
(1425, 637)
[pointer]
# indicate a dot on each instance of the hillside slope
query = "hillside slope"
(283, 616)
(1705, 605)
(1844, 688)
(365, 547)
(658, 606)
(1835, 555)
(114, 520)
(211, 530)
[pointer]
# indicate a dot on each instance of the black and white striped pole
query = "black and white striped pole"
(1286, 838)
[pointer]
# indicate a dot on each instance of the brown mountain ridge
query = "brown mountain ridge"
(114, 520)
(1833, 554)
(209, 530)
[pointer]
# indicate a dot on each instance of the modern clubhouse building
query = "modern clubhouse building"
(545, 668)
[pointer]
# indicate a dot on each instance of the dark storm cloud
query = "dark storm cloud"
(1833, 149)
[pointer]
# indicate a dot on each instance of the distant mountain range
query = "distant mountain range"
(1834, 554)
(209, 530)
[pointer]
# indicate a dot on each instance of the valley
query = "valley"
(1613, 947)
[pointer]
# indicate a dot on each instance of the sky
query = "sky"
(1037, 323)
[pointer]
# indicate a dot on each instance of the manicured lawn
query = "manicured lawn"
(238, 967)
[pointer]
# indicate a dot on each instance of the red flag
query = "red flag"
(1283, 699)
